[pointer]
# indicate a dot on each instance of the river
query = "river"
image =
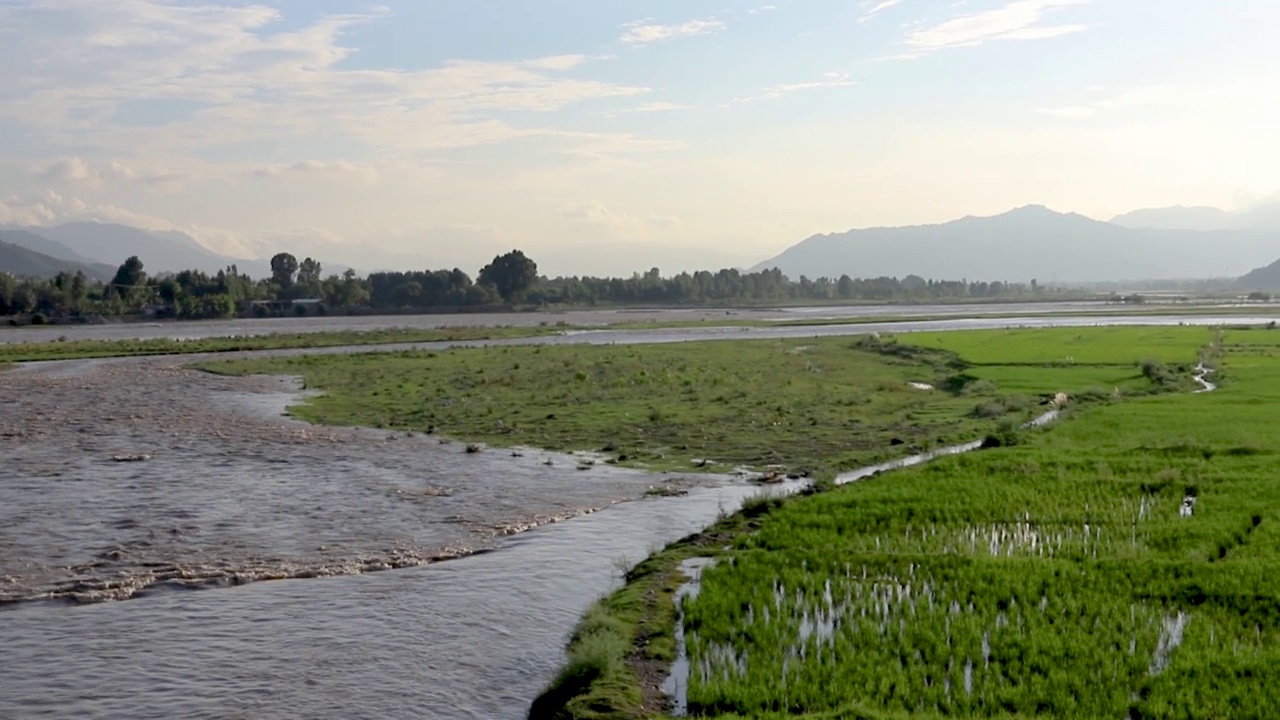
(234, 492)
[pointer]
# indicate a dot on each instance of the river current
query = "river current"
(233, 492)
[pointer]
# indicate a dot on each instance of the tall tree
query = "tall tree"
(512, 274)
(283, 267)
(309, 273)
(130, 273)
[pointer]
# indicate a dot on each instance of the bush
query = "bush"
(1006, 434)
(39, 319)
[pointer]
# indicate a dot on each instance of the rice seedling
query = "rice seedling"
(1123, 564)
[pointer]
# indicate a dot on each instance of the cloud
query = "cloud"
(655, 107)
(641, 33)
(762, 9)
(228, 76)
(317, 168)
(877, 8)
(830, 80)
(595, 213)
(49, 207)
(1020, 20)
(75, 170)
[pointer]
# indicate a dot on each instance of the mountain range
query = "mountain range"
(1025, 243)
(18, 257)
(1036, 242)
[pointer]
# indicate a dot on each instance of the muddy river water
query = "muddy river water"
(232, 492)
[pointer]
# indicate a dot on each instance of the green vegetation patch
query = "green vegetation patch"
(1123, 564)
(1120, 346)
(817, 405)
(80, 349)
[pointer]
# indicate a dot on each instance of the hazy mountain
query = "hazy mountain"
(1264, 278)
(1263, 216)
(1025, 243)
(43, 245)
(159, 251)
(24, 262)
(1176, 218)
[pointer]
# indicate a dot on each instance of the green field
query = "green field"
(81, 349)
(820, 405)
(1070, 346)
(1057, 578)
(1052, 578)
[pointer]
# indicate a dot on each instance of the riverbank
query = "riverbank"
(87, 349)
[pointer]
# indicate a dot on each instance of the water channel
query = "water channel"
(233, 492)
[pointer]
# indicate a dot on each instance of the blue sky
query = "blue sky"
(612, 136)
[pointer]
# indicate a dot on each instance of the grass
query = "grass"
(819, 405)
(82, 349)
(1057, 578)
(1071, 346)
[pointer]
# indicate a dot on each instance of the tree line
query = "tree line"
(510, 279)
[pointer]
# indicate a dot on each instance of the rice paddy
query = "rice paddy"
(1122, 564)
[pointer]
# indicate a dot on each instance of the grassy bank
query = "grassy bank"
(82, 349)
(818, 405)
(757, 633)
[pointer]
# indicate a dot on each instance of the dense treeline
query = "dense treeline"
(509, 280)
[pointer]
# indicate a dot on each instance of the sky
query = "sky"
(606, 137)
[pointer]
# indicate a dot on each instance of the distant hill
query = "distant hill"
(1025, 243)
(24, 262)
(1266, 279)
(1263, 216)
(159, 251)
(1176, 218)
(43, 245)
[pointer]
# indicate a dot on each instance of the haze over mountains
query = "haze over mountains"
(1036, 242)
(18, 258)
(1024, 243)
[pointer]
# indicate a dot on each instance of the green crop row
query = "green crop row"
(1123, 564)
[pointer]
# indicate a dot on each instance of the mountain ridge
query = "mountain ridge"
(22, 261)
(1031, 241)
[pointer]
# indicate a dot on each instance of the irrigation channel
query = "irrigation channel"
(233, 492)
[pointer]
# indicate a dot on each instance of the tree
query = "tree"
(512, 274)
(129, 275)
(845, 286)
(309, 273)
(283, 267)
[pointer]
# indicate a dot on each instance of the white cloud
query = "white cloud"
(762, 9)
(595, 213)
(75, 170)
(873, 9)
(313, 168)
(1020, 20)
(49, 207)
(830, 80)
(641, 33)
(234, 76)
(656, 107)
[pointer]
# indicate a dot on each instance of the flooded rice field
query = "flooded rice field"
(126, 484)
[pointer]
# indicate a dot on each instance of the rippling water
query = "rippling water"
(473, 638)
